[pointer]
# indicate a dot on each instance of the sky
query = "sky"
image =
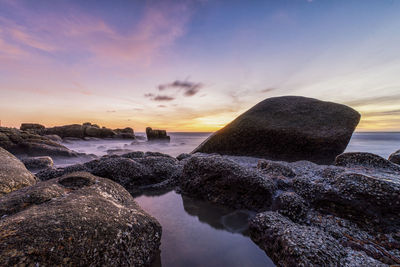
(194, 65)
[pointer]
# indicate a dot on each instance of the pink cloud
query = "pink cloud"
(78, 32)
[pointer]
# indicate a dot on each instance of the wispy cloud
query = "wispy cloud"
(159, 97)
(189, 88)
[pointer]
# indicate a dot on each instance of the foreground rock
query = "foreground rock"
(225, 182)
(290, 244)
(156, 135)
(23, 143)
(86, 130)
(38, 163)
(76, 220)
(395, 157)
(343, 215)
(287, 128)
(134, 171)
(13, 174)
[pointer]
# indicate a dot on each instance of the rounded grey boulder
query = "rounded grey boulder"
(13, 173)
(76, 220)
(288, 128)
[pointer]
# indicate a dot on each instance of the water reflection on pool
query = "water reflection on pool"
(196, 233)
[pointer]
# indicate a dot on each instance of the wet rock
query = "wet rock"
(367, 160)
(37, 163)
(225, 182)
(275, 168)
(13, 174)
(395, 157)
(54, 137)
(28, 144)
(156, 135)
(183, 156)
(292, 206)
(291, 244)
(76, 220)
(364, 192)
(289, 128)
(134, 171)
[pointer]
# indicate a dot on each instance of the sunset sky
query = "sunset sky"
(194, 65)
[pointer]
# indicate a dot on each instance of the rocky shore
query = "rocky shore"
(345, 213)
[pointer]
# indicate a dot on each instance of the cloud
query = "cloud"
(189, 88)
(267, 90)
(59, 31)
(163, 98)
(111, 111)
(374, 100)
(159, 97)
(162, 106)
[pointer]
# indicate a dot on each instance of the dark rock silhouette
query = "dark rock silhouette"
(157, 135)
(288, 128)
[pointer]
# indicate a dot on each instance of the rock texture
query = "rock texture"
(76, 220)
(156, 135)
(134, 170)
(343, 215)
(287, 128)
(223, 181)
(37, 163)
(290, 244)
(25, 143)
(395, 157)
(13, 174)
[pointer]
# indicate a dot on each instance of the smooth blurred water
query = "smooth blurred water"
(197, 233)
(380, 143)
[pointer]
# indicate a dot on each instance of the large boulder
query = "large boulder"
(13, 174)
(395, 157)
(223, 181)
(25, 143)
(288, 128)
(76, 220)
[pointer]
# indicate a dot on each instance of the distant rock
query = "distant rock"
(25, 143)
(86, 130)
(76, 220)
(37, 163)
(395, 157)
(31, 127)
(13, 174)
(223, 181)
(288, 128)
(157, 135)
(126, 133)
(54, 137)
